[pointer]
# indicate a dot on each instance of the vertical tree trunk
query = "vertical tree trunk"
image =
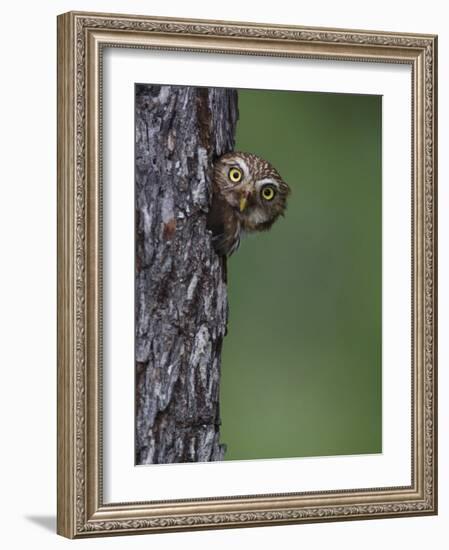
(180, 294)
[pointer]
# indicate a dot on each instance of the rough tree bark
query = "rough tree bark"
(180, 294)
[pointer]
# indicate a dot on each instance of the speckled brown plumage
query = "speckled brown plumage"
(249, 195)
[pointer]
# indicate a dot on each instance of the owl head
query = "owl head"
(252, 187)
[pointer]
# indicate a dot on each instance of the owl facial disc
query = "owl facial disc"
(249, 195)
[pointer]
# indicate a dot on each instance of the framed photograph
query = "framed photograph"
(247, 330)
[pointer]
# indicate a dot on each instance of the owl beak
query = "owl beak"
(244, 199)
(243, 203)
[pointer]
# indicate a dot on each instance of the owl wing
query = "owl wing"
(224, 225)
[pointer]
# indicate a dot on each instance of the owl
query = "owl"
(248, 196)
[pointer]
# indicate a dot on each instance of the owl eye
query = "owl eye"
(235, 175)
(268, 193)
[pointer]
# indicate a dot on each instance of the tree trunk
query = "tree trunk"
(180, 294)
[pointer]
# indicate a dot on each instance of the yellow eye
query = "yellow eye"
(268, 193)
(235, 175)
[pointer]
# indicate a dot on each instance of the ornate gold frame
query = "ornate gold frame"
(81, 37)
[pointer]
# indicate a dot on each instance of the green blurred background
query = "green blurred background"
(301, 372)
